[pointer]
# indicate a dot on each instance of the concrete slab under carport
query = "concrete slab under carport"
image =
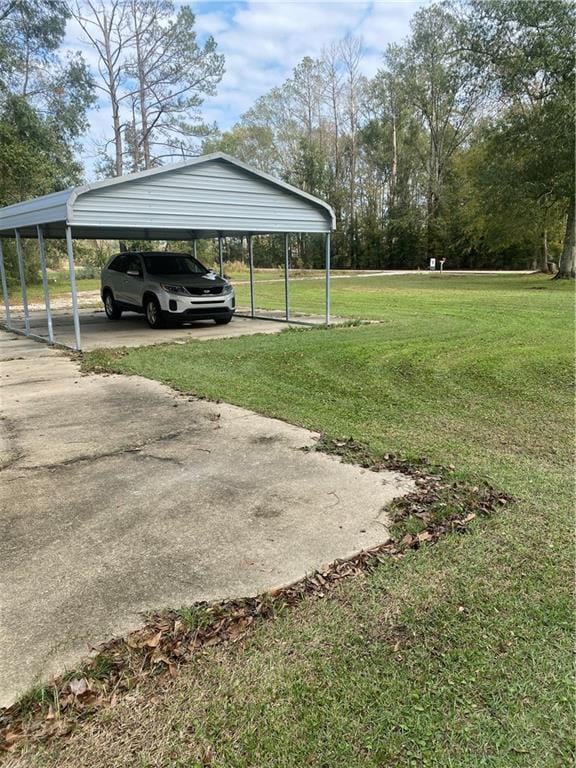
(120, 496)
(132, 329)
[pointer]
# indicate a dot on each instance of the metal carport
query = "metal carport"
(206, 197)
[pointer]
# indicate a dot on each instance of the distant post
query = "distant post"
(221, 255)
(327, 268)
(22, 275)
(5, 288)
(251, 265)
(286, 275)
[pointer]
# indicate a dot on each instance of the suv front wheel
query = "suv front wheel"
(113, 312)
(153, 312)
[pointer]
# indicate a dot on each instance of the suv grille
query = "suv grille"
(206, 312)
(195, 291)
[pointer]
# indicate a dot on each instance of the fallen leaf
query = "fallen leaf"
(78, 687)
(153, 642)
(13, 736)
(207, 756)
(92, 699)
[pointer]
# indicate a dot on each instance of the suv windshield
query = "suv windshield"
(172, 264)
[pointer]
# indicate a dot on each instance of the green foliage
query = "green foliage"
(463, 147)
(522, 164)
(33, 158)
(30, 33)
(43, 103)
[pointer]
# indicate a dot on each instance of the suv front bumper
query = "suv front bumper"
(198, 307)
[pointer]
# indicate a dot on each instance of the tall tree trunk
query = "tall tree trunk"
(394, 170)
(104, 26)
(352, 198)
(432, 199)
(431, 225)
(566, 268)
(117, 128)
(141, 77)
(143, 109)
(113, 93)
(136, 158)
(543, 252)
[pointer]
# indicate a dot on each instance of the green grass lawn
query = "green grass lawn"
(457, 655)
(59, 286)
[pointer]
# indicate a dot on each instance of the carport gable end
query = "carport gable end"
(210, 195)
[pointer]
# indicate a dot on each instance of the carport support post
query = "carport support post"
(251, 264)
(286, 269)
(42, 254)
(22, 275)
(5, 287)
(194, 248)
(327, 267)
(75, 315)
(221, 255)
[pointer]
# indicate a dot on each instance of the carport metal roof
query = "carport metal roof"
(209, 196)
(203, 197)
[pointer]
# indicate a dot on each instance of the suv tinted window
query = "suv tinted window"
(172, 264)
(133, 264)
(119, 263)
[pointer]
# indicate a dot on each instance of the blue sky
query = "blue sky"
(262, 40)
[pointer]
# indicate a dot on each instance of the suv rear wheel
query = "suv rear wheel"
(113, 311)
(153, 312)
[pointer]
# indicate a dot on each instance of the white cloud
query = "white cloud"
(263, 41)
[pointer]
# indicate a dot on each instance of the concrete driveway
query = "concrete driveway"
(119, 496)
(132, 330)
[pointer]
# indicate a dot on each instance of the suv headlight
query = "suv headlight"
(227, 288)
(175, 289)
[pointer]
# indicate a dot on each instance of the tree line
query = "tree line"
(461, 147)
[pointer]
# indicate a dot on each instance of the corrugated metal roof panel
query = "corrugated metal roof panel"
(207, 194)
(213, 195)
(39, 210)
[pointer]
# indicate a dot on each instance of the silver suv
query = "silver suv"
(165, 286)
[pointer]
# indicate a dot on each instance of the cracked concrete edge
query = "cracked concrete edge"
(102, 455)
(9, 455)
